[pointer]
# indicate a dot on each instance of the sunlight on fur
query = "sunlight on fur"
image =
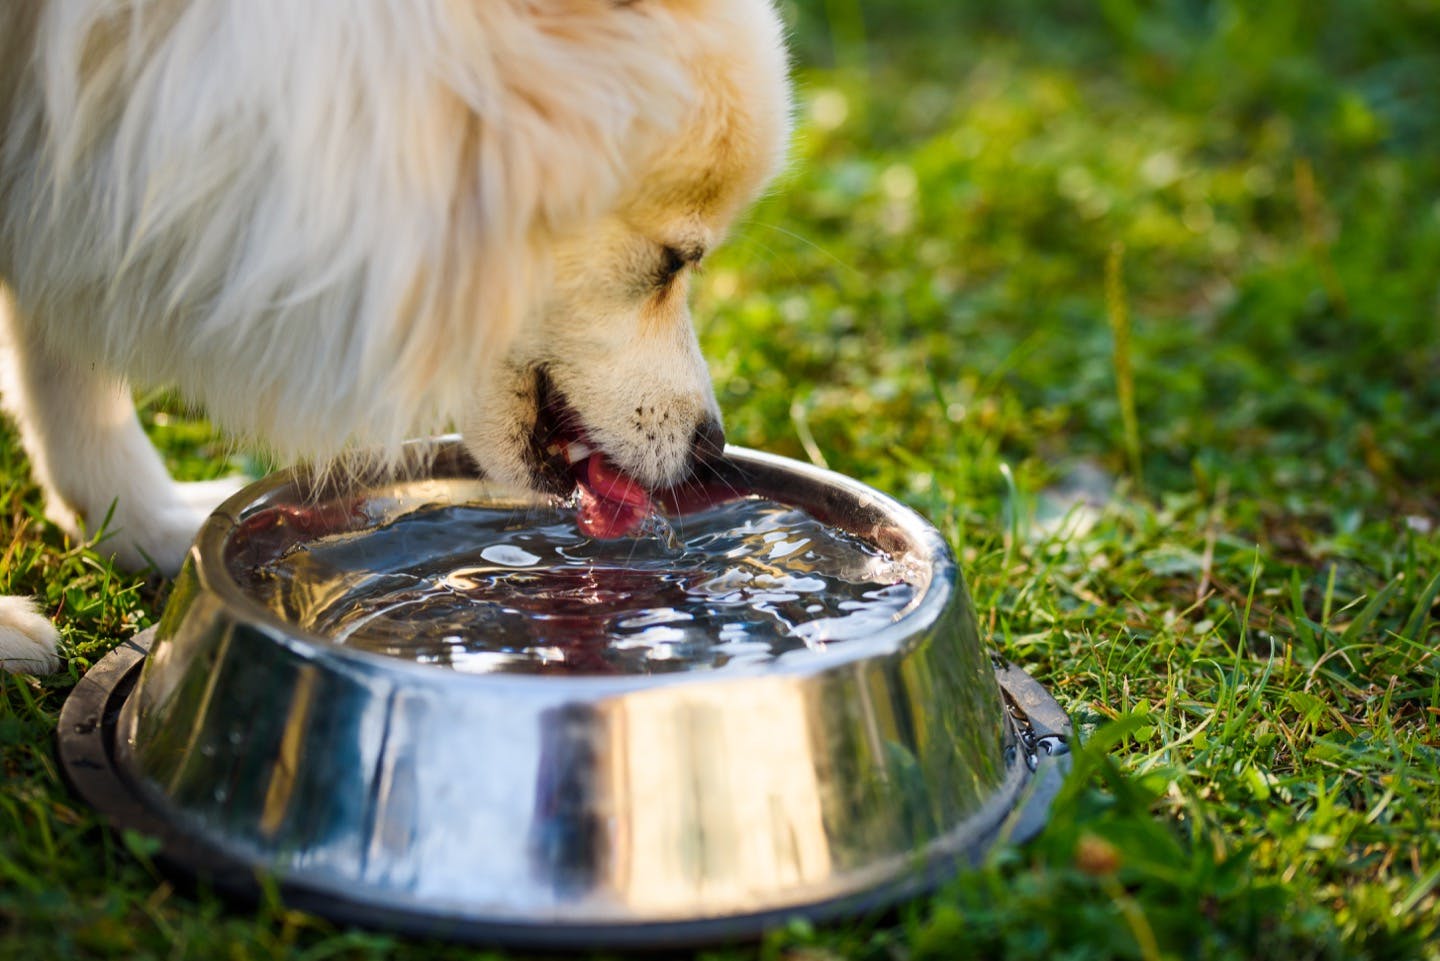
(338, 226)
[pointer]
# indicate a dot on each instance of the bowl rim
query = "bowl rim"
(911, 626)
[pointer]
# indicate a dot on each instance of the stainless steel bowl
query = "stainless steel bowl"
(576, 810)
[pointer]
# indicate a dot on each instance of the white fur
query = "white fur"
(339, 224)
(89, 453)
(27, 640)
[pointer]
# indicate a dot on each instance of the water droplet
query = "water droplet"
(509, 555)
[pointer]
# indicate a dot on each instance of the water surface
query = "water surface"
(481, 589)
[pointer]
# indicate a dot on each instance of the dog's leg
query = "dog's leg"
(91, 457)
(27, 638)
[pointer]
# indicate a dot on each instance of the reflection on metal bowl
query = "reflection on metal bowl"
(593, 808)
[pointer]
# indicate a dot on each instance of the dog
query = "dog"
(336, 226)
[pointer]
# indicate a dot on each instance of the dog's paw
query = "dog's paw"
(28, 641)
(203, 497)
(158, 533)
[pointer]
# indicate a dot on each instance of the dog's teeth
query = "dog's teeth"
(577, 452)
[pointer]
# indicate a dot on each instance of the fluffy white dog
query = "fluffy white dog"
(335, 225)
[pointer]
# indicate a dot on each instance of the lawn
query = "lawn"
(1138, 301)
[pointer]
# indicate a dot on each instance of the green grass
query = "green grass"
(1137, 301)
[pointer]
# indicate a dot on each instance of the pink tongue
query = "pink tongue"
(611, 504)
(607, 483)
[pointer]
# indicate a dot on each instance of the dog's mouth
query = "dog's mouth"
(563, 457)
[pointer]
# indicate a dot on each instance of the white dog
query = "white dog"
(340, 223)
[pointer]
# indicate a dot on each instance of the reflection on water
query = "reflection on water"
(486, 590)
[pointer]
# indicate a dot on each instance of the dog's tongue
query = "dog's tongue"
(612, 504)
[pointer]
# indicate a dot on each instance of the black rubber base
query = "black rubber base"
(86, 741)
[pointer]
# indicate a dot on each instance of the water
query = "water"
(481, 589)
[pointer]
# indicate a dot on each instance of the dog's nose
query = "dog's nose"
(707, 444)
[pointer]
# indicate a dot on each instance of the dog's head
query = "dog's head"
(338, 232)
(605, 379)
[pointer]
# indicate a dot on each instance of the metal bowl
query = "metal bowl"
(551, 811)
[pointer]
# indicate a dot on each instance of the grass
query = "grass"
(1138, 302)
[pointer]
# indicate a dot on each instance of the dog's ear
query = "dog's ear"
(574, 95)
(557, 105)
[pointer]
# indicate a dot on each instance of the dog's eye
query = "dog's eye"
(672, 261)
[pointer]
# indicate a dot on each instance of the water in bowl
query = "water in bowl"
(481, 589)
